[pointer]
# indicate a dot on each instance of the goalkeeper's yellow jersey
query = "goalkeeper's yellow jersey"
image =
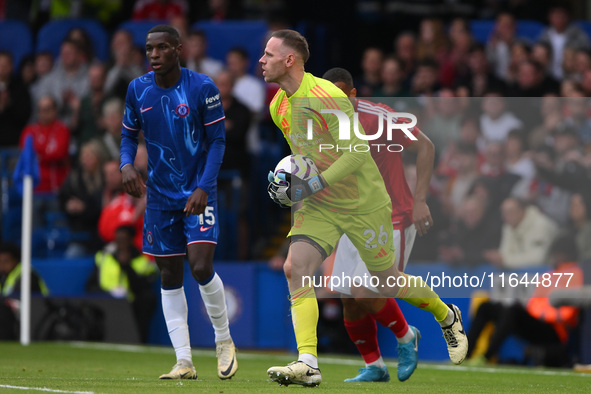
(355, 184)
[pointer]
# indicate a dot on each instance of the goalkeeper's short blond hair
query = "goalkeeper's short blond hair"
(295, 41)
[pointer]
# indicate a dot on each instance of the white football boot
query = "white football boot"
(455, 336)
(227, 363)
(183, 369)
(297, 372)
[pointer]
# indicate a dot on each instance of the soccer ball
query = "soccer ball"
(301, 166)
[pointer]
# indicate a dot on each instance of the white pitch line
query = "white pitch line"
(6, 386)
(325, 360)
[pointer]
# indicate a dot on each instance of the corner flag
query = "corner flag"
(27, 165)
(25, 175)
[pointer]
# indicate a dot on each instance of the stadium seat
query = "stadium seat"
(531, 30)
(481, 29)
(222, 36)
(52, 34)
(16, 38)
(586, 26)
(526, 29)
(65, 277)
(139, 30)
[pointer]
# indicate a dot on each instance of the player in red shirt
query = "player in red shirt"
(361, 308)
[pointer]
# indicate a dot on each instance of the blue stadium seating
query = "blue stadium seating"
(51, 35)
(64, 277)
(529, 30)
(481, 29)
(139, 30)
(16, 37)
(222, 36)
(586, 26)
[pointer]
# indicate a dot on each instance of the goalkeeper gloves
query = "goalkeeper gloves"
(293, 189)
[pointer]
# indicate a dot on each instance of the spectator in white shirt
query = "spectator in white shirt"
(196, 55)
(123, 67)
(248, 89)
(526, 236)
(68, 81)
(516, 161)
(496, 121)
(498, 46)
(562, 34)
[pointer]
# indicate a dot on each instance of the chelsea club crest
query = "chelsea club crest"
(182, 110)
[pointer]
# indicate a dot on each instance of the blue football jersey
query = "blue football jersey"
(184, 133)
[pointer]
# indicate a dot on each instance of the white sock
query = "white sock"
(174, 306)
(309, 359)
(214, 298)
(378, 363)
(449, 319)
(406, 338)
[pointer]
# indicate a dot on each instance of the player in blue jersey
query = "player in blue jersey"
(180, 115)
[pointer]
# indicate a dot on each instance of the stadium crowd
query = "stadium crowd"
(509, 119)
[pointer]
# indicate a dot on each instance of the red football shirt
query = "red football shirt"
(389, 163)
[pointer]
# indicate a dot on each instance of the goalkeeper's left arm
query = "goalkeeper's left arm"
(350, 161)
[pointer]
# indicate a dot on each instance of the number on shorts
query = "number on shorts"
(382, 237)
(209, 217)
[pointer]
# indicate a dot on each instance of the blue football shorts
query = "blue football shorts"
(167, 233)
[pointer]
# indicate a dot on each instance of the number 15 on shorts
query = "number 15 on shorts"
(207, 217)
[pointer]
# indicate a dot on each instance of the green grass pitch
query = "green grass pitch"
(111, 368)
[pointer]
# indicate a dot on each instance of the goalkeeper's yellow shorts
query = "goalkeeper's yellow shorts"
(370, 233)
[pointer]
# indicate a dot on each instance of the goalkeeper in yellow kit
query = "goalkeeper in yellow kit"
(348, 196)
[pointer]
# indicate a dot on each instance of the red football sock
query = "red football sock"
(364, 334)
(391, 317)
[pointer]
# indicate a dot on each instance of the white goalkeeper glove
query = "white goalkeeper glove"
(293, 188)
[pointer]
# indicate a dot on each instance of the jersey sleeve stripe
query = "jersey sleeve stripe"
(215, 121)
(374, 109)
(129, 128)
(336, 106)
(322, 98)
(368, 107)
(275, 97)
(282, 109)
(318, 95)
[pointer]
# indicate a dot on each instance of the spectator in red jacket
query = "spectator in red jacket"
(51, 140)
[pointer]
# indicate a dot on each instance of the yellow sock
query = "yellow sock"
(417, 293)
(304, 315)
